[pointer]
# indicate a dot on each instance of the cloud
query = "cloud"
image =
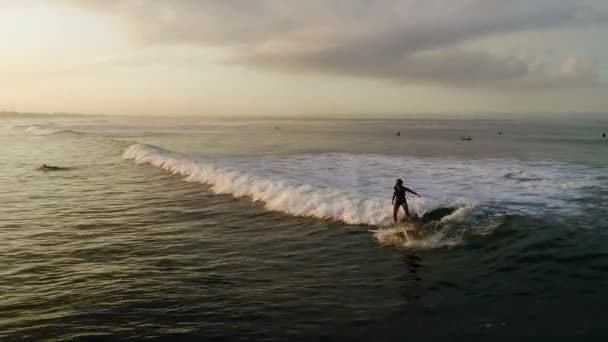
(402, 41)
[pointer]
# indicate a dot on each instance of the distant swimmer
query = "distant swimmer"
(398, 133)
(466, 138)
(399, 200)
(603, 135)
(500, 133)
(45, 167)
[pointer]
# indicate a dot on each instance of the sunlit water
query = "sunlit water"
(280, 229)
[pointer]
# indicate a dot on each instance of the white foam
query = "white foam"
(443, 182)
(356, 188)
(44, 130)
(522, 176)
(458, 215)
(398, 237)
(277, 193)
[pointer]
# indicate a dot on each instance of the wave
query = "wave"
(449, 231)
(398, 237)
(357, 188)
(42, 130)
(277, 194)
(460, 198)
(522, 176)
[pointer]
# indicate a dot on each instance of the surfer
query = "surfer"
(45, 167)
(400, 200)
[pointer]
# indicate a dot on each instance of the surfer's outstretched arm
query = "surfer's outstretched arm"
(411, 191)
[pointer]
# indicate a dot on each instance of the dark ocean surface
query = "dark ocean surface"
(200, 229)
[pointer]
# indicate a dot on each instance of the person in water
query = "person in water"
(48, 167)
(45, 167)
(400, 200)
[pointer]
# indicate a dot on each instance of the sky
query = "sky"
(298, 58)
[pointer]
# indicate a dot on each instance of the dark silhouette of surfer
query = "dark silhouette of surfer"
(399, 133)
(399, 200)
(466, 138)
(45, 167)
(603, 135)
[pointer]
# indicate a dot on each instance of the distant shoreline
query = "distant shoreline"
(332, 117)
(19, 114)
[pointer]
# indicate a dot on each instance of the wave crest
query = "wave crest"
(276, 194)
(41, 130)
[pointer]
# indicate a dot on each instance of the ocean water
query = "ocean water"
(202, 229)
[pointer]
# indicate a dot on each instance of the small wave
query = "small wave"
(41, 130)
(522, 177)
(398, 237)
(449, 231)
(490, 224)
(458, 215)
(277, 194)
